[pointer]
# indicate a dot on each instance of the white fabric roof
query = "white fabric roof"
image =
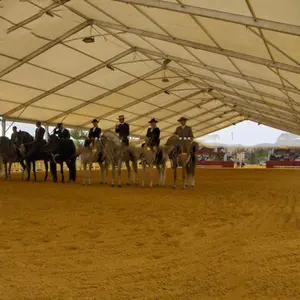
(228, 61)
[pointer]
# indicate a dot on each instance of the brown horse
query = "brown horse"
(183, 154)
(8, 155)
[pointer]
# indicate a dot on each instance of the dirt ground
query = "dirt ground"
(236, 235)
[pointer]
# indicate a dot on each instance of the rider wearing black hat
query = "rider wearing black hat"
(153, 134)
(62, 132)
(39, 141)
(123, 130)
(94, 132)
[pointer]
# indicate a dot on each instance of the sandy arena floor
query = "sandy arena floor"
(236, 235)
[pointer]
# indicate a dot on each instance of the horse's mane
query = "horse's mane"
(111, 137)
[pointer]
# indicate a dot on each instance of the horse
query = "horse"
(183, 153)
(150, 157)
(93, 153)
(8, 155)
(25, 144)
(116, 153)
(60, 151)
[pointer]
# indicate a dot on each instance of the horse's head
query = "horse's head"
(111, 139)
(23, 137)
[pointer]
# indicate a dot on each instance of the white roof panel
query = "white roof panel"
(169, 50)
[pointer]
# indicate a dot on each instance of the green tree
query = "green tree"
(76, 136)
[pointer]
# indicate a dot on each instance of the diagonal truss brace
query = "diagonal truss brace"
(36, 16)
(142, 99)
(44, 48)
(195, 45)
(104, 95)
(70, 81)
(264, 120)
(168, 105)
(183, 111)
(221, 71)
(218, 15)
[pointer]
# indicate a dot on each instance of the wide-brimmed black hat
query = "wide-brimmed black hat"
(121, 117)
(95, 121)
(153, 120)
(182, 119)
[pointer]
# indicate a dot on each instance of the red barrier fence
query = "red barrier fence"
(215, 164)
(282, 164)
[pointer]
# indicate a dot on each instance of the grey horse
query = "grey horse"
(116, 153)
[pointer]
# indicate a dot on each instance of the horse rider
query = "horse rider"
(14, 138)
(123, 130)
(94, 133)
(62, 132)
(184, 132)
(38, 139)
(153, 135)
(14, 134)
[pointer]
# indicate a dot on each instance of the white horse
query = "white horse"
(116, 153)
(150, 157)
(92, 154)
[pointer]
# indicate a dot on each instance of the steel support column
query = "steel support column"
(3, 125)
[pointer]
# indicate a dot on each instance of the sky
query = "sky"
(246, 133)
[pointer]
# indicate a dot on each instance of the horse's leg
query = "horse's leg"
(84, 172)
(128, 172)
(102, 172)
(113, 170)
(164, 173)
(144, 173)
(9, 170)
(23, 168)
(184, 175)
(151, 175)
(119, 172)
(158, 167)
(74, 170)
(6, 171)
(33, 169)
(46, 170)
(175, 174)
(90, 172)
(53, 171)
(62, 172)
(105, 172)
(28, 167)
(135, 171)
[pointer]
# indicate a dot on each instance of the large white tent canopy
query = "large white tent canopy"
(215, 62)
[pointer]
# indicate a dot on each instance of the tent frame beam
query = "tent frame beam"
(37, 15)
(71, 81)
(46, 47)
(3, 125)
(195, 45)
(142, 99)
(91, 101)
(218, 70)
(187, 109)
(217, 15)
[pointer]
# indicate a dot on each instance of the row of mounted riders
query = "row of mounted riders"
(108, 150)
